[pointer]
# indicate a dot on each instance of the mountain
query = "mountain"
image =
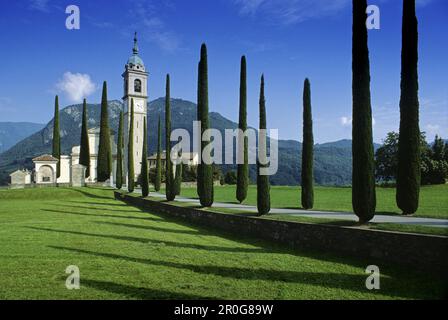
(332, 160)
(13, 132)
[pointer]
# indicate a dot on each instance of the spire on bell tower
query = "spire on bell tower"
(135, 49)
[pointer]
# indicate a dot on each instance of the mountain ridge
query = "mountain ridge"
(332, 160)
(13, 132)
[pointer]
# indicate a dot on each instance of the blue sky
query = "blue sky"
(287, 40)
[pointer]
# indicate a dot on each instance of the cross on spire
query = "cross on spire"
(135, 49)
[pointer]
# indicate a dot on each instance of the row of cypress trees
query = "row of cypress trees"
(363, 180)
(104, 153)
(105, 156)
(173, 185)
(205, 171)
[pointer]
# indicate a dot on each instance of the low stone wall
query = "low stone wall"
(190, 184)
(425, 252)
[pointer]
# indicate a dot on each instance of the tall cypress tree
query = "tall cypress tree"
(363, 179)
(307, 149)
(243, 169)
(144, 173)
(169, 179)
(131, 172)
(204, 170)
(158, 179)
(84, 153)
(56, 152)
(119, 172)
(263, 188)
(178, 179)
(199, 184)
(104, 151)
(409, 162)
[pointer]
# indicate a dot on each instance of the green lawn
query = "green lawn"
(433, 199)
(124, 253)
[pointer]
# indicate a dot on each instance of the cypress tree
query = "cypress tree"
(307, 149)
(158, 179)
(409, 162)
(119, 172)
(104, 151)
(56, 152)
(144, 172)
(243, 169)
(84, 153)
(131, 172)
(205, 170)
(199, 184)
(263, 192)
(363, 179)
(178, 179)
(169, 179)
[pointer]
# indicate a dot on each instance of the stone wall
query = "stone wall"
(425, 252)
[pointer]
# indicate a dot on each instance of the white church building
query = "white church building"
(135, 80)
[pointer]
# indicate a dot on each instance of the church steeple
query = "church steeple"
(135, 87)
(134, 61)
(135, 49)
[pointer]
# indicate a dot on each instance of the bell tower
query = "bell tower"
(135, 89)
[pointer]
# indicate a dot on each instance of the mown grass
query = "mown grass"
(433, 199)
(125, 253)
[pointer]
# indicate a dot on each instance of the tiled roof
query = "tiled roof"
(45, 157)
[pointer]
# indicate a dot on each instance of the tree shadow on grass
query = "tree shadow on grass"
(352, 282)
(182, 204)
(135, 210)
(93, 195)
(114, 204)
(192, 232)
(158, 219)
(157, 242)
(138, 293)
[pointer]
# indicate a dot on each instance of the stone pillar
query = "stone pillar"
(78, 175)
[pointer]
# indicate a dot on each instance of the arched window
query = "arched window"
(137, 85)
